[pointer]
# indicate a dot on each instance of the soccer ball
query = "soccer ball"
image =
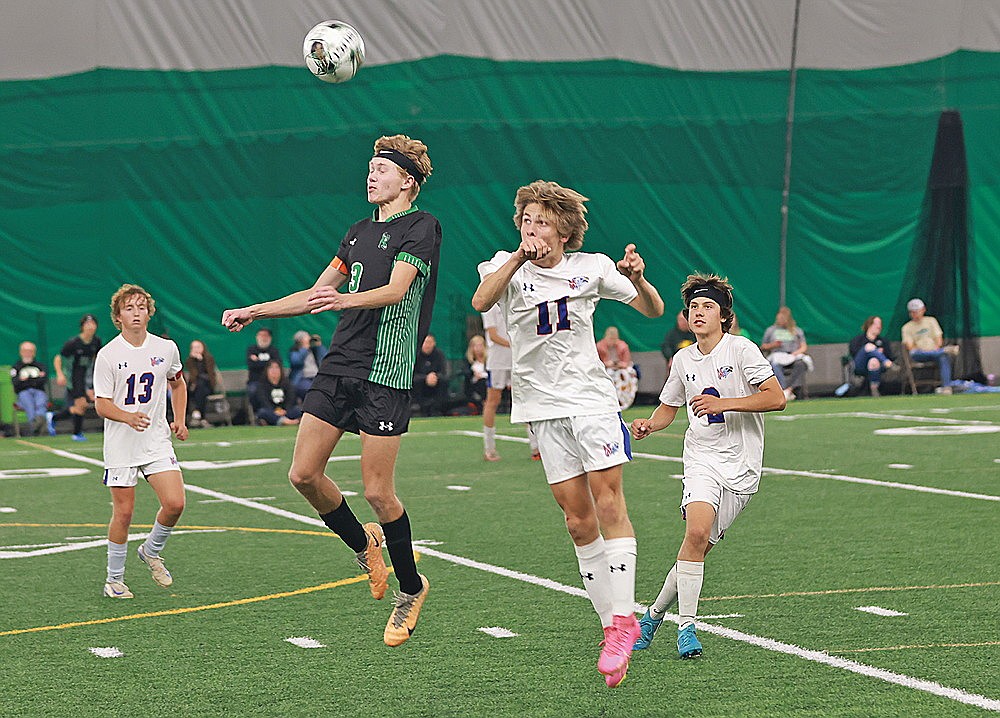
(333, 51)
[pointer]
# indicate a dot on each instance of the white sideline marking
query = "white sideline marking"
(875, 415)
(459, 488)
(879, 611)
(230, 464)
(42, 473)
(809, 474)
(722, 615)
(498, 632)
(770, 644)
(900, 466)
(77, 546)
(305, 642)
(938, 430)
(344, 458)
(7, 510)
(224, 501)
(108, 652)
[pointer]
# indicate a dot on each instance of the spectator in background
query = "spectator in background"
(617, 359)
(29, 377)
(871, 353)
(735, 329)
(475, 372)
(786, 344)
(258, 357)
(201, 371)
(430, 379)
(78, 374)
(677, 338)
(276, 398)
(924, 340)
(303, 361)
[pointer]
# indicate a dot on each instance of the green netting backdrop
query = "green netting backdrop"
(216, 189)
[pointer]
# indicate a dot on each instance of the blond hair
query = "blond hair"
(479, 340)
(699, 279)
(563, 206)
(119, 298)
(415, 150)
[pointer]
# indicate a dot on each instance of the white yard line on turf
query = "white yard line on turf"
(793, 472)
(877, 415)
(770, 644)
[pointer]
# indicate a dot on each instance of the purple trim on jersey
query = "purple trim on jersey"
(626, 436)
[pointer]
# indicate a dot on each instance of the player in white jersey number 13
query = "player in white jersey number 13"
(131, 376)
(726, 383)
(548, 292)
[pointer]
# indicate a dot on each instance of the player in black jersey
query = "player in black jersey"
(386, 267)
(77, 374)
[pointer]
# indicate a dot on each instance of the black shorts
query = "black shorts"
(357, 405)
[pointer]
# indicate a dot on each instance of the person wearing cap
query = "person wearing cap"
(725, 383)
(924, 340)
(78, 374)
(387, 268)
(548, 292)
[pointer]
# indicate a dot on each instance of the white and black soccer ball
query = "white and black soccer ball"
(334, 51)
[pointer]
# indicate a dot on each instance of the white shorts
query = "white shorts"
(726, 503)
(576, 445)
(129, 475)
(498, 379)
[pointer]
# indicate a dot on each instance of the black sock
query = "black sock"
(398, 541)
(77, 424)
(345, 524)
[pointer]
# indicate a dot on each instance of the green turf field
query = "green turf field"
(840, 523)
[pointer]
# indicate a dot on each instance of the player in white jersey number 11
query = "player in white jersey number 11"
(547, 292)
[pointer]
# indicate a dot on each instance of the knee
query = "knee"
(610, 507)
(697, 536)
(301, 479)
(874, 364)
(121, 517)
(173, 508)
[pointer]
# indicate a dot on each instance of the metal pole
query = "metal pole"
(789, 124)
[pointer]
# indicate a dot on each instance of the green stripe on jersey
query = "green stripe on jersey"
(396, 343)
(422, 266)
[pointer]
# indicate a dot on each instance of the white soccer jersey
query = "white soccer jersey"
(550, 319)
(498, 357)
(729, 446)
(135, 379)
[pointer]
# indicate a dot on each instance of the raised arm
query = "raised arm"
(291, 305)
(648, 301)
(493, 286)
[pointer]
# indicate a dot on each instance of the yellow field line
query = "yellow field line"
(191, 609)
(832, 591)
(901, 648)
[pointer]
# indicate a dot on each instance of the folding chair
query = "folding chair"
(919, 374)
(218, 403)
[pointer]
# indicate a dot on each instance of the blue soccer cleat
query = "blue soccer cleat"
(50, 423)
(79, 437)
(688, 645)
(648, 626)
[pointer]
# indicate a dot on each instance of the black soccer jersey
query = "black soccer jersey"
(380, 345)
(80, 372)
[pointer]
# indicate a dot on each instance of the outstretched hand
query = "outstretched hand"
(235, 319)
(631, 265)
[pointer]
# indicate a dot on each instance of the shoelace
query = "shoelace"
(404, 602)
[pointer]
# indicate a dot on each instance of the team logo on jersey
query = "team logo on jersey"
(612, 448)
(156, 361)
(123, 365)
(577, 282)
(384, 242)
(353, 241)
(725, 371)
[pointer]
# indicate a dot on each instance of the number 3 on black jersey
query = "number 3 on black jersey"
(357, 269)
(545, 324)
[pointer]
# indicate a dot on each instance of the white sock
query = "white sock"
(596, 579)
(490, 438)
(532, 440)
(668, 594)
(621, 560)
(157, 539)
(690, 575)
(116, 560)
